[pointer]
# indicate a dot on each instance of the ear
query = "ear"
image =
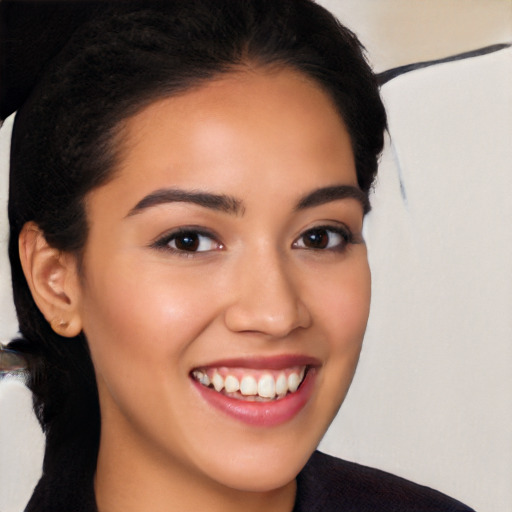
(53, 279)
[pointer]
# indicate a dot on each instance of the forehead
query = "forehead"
(280, 103)
(273, 124)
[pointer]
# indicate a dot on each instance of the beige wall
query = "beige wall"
(397, 32)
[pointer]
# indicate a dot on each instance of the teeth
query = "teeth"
(268, 386)
(231, 384)
(218, 382)
(201, 377)
(281, 385)
(293, 382)
(248, 386)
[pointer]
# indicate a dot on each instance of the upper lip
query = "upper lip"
(278, 362)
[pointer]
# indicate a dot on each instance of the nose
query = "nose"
(267, 299)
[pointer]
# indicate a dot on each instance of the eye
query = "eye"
(188, 241)
(332, 238)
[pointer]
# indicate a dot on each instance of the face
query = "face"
(225, 286)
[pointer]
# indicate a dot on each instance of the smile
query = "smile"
(251, 385)
(261, 392)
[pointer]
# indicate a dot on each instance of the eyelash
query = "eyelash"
(342, 231)
(195, 234)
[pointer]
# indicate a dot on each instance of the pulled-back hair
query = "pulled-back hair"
(65, 142)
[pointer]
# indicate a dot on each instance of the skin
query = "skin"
(255, 289)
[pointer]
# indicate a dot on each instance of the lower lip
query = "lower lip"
(261, 414)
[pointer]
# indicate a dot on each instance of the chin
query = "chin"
(259, 474)
(258, 461)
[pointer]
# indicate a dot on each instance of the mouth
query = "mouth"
(252, 385)
(258, 391)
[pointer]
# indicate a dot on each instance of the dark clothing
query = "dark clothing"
(328, 484)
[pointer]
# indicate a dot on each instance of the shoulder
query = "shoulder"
(329, 484)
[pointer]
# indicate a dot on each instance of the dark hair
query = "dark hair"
(66, 136)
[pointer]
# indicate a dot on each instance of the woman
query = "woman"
(188, 186)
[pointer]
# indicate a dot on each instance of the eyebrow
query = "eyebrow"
(230, 204)
(219, 202)
(334, 193)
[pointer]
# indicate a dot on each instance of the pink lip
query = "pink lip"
(265, 363)
(261, 414)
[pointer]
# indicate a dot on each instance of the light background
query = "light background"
(432, 398)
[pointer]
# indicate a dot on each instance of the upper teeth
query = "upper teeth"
(265, 384)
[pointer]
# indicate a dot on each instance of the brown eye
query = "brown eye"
(186, 242)
(316, 239)
(324, 238)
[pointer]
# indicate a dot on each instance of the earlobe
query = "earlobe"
(52, 276)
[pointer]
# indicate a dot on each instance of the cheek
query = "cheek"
(342, 314)
(139, 327)
(137, 321)
(343, 306)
